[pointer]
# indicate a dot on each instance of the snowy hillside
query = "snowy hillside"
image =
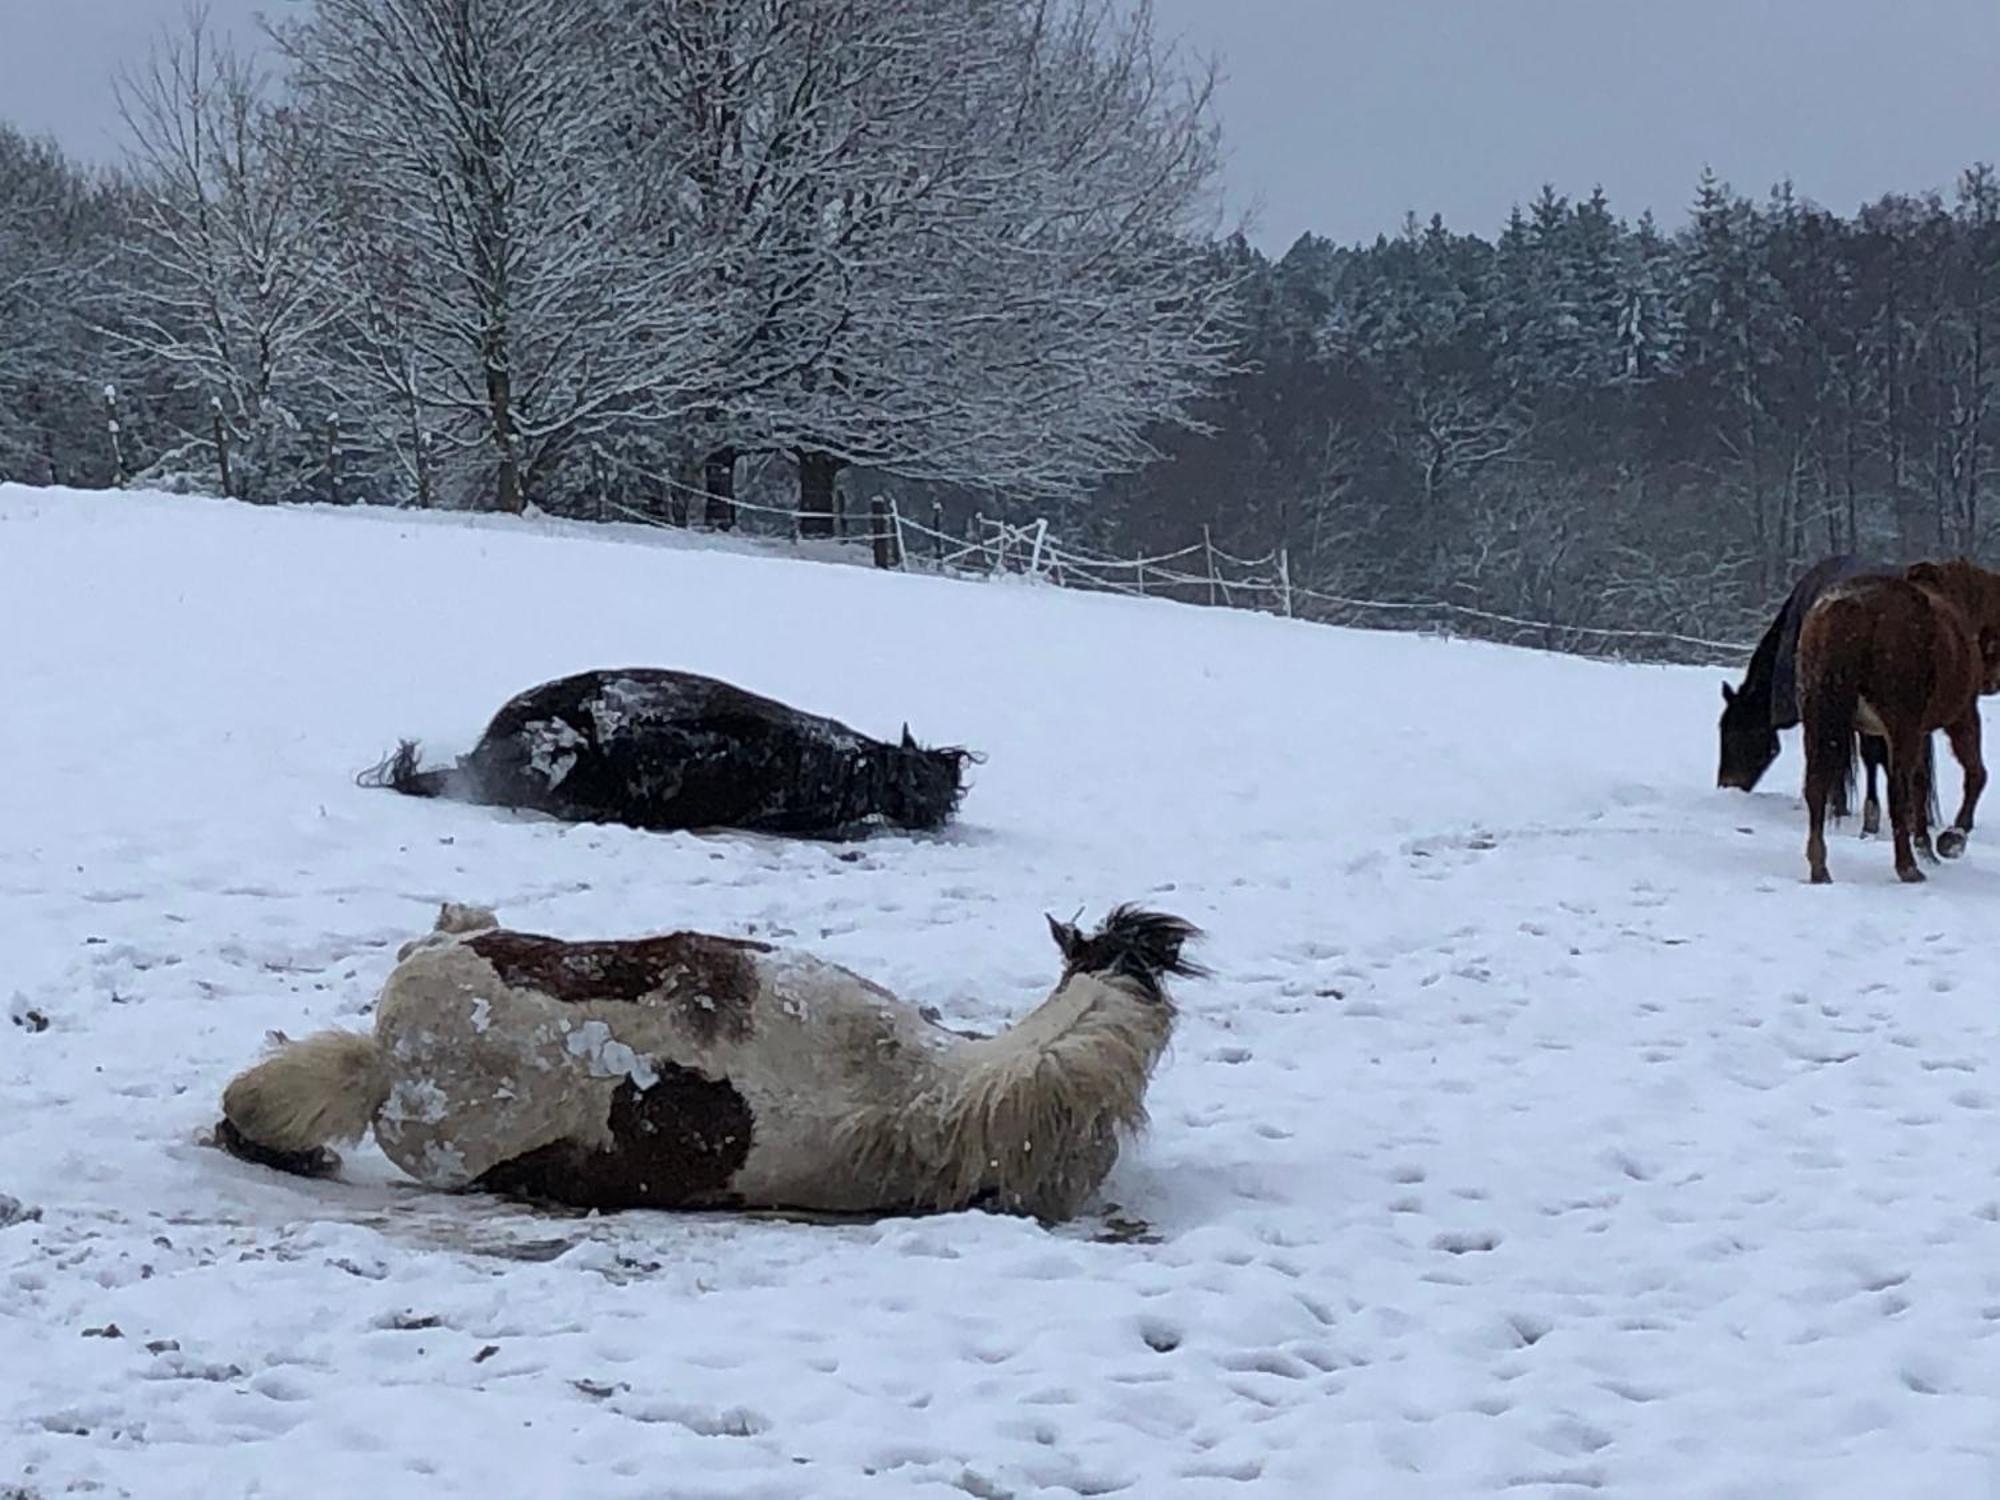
(1540, 1133)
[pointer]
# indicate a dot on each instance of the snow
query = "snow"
(607, 1057)
(1541, 1133)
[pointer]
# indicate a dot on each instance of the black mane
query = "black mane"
(1138, 944)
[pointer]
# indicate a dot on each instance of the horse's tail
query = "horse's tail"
(321, 1088)
(1840, 796)
(399, 773)
(1829, 700)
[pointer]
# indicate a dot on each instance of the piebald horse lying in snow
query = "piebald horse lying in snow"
(694, 1071)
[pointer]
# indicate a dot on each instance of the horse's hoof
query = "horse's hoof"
(1951, 843)
(1910, 875)
(1820, 877)
(318, 1162)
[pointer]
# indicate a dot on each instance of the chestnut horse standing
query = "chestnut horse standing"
(1896, 657)
(1767, 699)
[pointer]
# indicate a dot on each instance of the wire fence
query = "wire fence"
(1198, 573)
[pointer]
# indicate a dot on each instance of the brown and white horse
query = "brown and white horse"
(1897, 657)
(688, 1070)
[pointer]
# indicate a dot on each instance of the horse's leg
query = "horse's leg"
(1905, 752)
(1874, 752)
(1921, 800)
(1964, 737)
(1820, 774)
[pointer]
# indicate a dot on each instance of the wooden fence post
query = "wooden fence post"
(333, 458)
(118, 474)
(1041, 541)
(878, 528)
(221, 444)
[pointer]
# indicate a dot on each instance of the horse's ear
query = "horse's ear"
(1068, 939)
(909, 740)
(1728, 692)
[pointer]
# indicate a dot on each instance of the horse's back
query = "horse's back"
(1910, 652)
(612, 702)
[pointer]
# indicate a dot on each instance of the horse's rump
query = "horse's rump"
(1813, 585)
(1766, 701)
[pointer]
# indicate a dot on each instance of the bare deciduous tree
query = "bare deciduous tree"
(224, 278)
(503, 307)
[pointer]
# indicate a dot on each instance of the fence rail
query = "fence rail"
(1198, 573)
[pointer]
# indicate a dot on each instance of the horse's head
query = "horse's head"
(1141, 945)
(926, 784)
(1749, 743)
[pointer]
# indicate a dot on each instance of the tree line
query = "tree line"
(639, 253)
(491, 253)
(1590, 422)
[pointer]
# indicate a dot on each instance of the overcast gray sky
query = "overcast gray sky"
(1342, 114)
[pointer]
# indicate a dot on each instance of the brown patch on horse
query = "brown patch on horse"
(675, 1144)
(710, 980)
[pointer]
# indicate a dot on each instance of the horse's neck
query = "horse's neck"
(850, 780)
(1035, 1113)
(1083, 1009)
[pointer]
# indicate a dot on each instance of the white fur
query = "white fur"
(325, 1087)
(859, 1104)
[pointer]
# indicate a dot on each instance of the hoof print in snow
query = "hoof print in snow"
(318, 1162)
(1161, 1338)
(1123, 1229)
(409, 1322)
(13, 1211)
(1458, 1242)
(108, 1331)
(26, 1016)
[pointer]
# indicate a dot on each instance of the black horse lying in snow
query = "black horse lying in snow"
(654, 748)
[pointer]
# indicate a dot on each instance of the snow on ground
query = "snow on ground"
(1541, 1132)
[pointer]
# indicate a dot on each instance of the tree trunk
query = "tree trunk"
(719, 487)
(499, 395)
(817, 472)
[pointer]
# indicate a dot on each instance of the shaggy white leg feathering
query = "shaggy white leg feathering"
(321, 1088)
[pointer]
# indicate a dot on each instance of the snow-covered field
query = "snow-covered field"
(1541, 1131)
